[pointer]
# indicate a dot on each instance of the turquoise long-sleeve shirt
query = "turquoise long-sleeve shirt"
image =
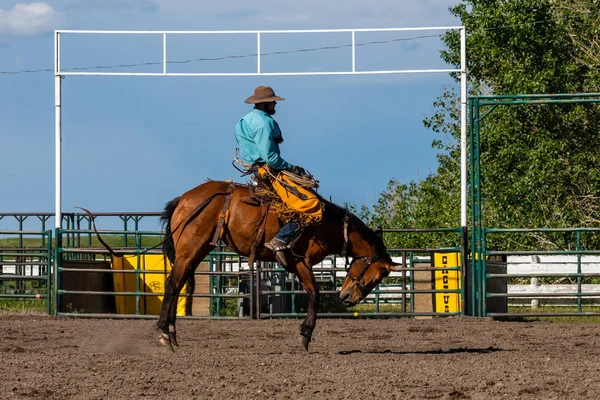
(257, 135)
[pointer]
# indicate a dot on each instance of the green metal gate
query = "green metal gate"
(479, 108)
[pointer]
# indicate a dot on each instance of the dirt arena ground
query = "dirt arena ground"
(454, 358)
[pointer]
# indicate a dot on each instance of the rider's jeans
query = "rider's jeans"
(287, 232)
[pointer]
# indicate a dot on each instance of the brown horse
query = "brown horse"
(192, 219)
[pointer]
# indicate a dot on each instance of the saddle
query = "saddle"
(259, 195)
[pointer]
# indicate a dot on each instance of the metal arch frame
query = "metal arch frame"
(58, 75)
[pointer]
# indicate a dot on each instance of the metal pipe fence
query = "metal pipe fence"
(26, 267)
(232, 289)
(578, 271)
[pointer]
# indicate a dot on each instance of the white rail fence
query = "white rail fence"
(552, 265)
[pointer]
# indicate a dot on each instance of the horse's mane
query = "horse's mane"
(335, 214)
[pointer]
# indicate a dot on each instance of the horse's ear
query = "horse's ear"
(379, 232)
(393, 265)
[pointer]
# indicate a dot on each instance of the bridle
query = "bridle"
(358, 280)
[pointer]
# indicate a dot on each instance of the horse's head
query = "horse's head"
(364, 273)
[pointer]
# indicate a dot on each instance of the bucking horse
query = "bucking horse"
(215, 210)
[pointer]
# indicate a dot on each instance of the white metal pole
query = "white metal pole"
(164, 53)
(258, 52)
(463, 127)
(353, 51)
(57, 133)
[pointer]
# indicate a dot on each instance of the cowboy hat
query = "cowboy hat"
(262, 94)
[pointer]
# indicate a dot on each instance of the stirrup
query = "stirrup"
(279, 249)
(281, 257)
(276, 245)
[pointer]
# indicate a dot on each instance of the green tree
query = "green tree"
(540, 163)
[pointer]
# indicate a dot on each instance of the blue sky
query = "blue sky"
(133, 143)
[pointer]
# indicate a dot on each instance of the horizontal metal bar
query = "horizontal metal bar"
(556, 101)
(536, 295)
(38, 233)
(113, 232)
(546, 275)
(23, 255)
(541, 252)
(30, 263)
(559, 314)
(360, 314)
(23, 251)
(510, 230)
(13, 277)
(432, 230)
(80, 214)
(223, 273)
(132, 251)
(128, 252)
(149, 294)
(324, 73)
(432, 28)
(317, 269)
(141, 316)
(526, 96)
(421, 250)
(399, 291)
(146, 272)
(112, 271)
(41, 296)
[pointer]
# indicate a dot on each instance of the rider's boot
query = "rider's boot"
(282, 251)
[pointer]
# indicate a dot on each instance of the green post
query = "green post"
(412, 282)
(219, 286)
(48, 271)
(57, 266)
(125, 218)
(579, 279)
(210, 284)
(483, 279)
(138, 275)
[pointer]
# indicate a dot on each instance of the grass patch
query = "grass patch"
(23, 305)
(383, 308)
(82, 241)
(523, 311)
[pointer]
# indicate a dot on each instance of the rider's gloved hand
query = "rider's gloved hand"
(298, 170)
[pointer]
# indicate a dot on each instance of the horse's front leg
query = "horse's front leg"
(307, 279)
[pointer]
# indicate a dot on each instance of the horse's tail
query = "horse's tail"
(165, 219)
(169, 250)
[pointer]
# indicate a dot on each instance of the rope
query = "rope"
(307, 181)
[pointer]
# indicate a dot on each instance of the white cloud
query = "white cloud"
(30, 19)
(113, 5)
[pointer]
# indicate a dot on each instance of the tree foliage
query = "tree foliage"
(540, 163)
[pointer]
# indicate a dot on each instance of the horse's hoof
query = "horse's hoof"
(165, 342)
(305, 341)
(173, 339)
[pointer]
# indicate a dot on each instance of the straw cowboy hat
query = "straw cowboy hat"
(263, 94)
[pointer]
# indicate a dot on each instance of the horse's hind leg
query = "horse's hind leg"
(182, 268)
